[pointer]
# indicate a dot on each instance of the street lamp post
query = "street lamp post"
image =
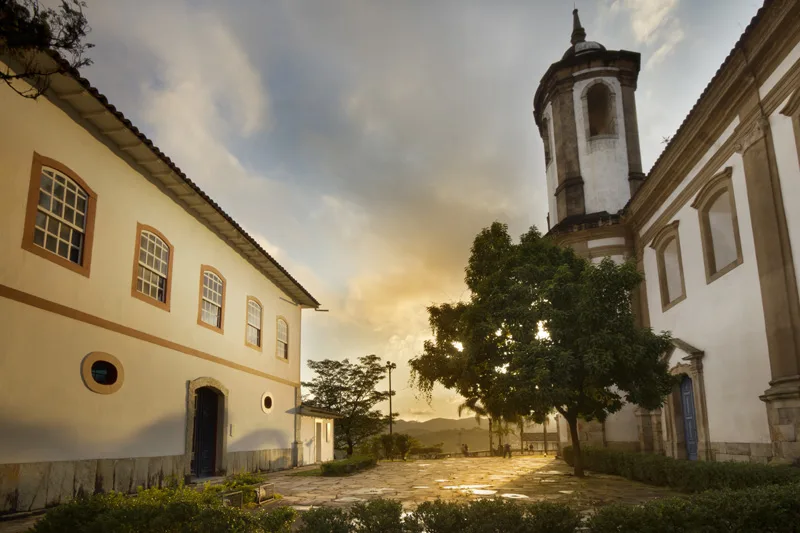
(390, 366)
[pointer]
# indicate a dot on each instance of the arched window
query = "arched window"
(254, 322)
(670, 266)
(719, 227)
(152, 267)
(59, 225)
(600, 110)
(282, 344)
(545, 131)
(212, 299)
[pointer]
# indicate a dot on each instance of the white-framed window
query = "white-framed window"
(61, 216)
(212, 300)
(254, 312)
(153, 270)
(282, 345)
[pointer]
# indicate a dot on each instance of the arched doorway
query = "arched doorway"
(689, 417)
(207, 431)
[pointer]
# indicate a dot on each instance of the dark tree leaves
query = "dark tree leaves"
(27, 29)
(349, 389)
(491, 349)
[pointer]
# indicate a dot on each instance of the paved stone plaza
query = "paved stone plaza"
(522, 478)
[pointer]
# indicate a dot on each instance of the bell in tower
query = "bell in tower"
(585, 109)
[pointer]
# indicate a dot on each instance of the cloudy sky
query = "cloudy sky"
(366, 142)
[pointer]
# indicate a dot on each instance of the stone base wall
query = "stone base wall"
(30, 486)
(783, 416)
(746, 452)
(624, 446)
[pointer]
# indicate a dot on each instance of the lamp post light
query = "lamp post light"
(390, 366)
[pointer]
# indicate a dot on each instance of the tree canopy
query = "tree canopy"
(27, 29)
(349, 389)
(544, 329)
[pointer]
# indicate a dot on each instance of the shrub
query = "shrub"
(377, 516)
(497, 515)
(426, 450)
(403, 442)
(685, 476)
(347, 466)
(170, 510)
(767, 509)
(247, 482)
(327, 519)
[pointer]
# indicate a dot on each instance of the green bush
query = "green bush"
(490, 516)
(767, 509)
(170, 510)
(347, 466)
(377, 516)
(685, 476)
(426, 450)
(327, 519)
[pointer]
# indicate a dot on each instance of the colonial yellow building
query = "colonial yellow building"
(714, 226)
(143, 333)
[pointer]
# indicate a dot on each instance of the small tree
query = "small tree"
(403, 443)
(349, 389)
(27, 29)
(387, 446)
(544, 329)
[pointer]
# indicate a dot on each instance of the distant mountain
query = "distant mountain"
(452, 433)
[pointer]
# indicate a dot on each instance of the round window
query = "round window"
(266, 402)
(104, 373)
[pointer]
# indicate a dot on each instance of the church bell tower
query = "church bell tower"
(585, 109)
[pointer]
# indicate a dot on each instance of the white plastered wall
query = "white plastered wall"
(786, 155)
(124, 198)
(724, 319)
(552, 170)
(603, 162)
(48, 414)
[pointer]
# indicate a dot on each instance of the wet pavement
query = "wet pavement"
(523, 478)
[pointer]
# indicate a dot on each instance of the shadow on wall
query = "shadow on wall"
(24, 441)
(261, 439)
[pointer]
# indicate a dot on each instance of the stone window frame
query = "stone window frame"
(665, 236)
(259, 347)
(38, 162)
(613, 111)
(221, 458)
(88, 380)
(692, 366)
(278, 320)
(165, 305)
(200, 321)
(792, 110)
(715, 186)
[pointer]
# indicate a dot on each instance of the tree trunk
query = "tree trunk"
(491, 439)
(576, 447)
(544, 425)
(349, 448)
(521, 440)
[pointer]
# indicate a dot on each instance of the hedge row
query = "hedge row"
(348, 466)
(768, 509)
(481, 516)
(685, 476)
(173, 510)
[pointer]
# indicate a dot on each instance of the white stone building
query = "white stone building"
(143, 333)
(714, 226)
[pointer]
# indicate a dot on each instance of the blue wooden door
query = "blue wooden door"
(689, 418)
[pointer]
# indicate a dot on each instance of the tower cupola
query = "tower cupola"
(585, 110)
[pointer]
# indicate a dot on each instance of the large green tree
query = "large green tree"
(349, 389)
(28, 28)
(546, 330)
